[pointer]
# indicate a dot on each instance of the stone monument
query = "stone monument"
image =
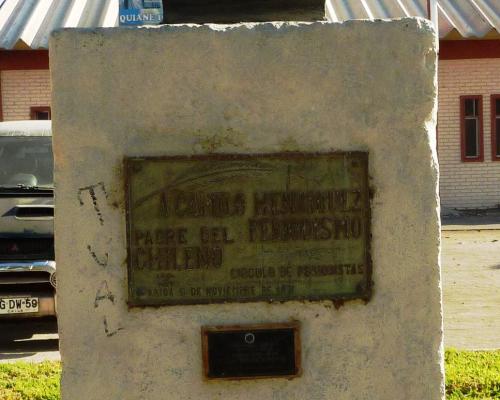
(248, 211)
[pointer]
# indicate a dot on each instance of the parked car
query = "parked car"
(27, 262)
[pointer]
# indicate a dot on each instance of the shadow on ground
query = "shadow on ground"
(29, 340)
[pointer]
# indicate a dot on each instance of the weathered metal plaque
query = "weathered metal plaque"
(251, 351)
(233, 228)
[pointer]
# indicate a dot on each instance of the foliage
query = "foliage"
(30, 381)
(472, 374)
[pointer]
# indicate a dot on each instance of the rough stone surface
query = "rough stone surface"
(181, 90)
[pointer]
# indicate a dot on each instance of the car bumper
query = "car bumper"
(42, 288)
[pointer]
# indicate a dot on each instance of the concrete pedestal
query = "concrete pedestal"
(260, 88)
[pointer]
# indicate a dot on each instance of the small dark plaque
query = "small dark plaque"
(251, 351)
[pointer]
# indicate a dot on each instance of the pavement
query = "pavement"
(471, 280)
(471, 294)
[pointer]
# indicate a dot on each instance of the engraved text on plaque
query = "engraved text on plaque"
(226, 228)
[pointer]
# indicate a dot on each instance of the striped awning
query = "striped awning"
(26, 24)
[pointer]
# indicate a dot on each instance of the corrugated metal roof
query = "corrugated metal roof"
(469, 18)
(26, 24)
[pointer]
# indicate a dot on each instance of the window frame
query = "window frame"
(480, 156)
(494, 116)
(34, 110)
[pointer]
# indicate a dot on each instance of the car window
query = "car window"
(26, 161)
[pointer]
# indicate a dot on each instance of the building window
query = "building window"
(40, 112)
(471, 126)
(495, 127)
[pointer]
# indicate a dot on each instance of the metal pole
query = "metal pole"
(432, 15)
(432, 12)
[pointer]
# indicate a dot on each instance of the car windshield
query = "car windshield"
(26, 162)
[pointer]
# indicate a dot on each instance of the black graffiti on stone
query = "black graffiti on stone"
(109, 332)
(102, 261)
(91, 189)
(103, 294)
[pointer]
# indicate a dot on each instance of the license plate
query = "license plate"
(18, 305)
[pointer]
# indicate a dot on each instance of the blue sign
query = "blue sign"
(140, 12)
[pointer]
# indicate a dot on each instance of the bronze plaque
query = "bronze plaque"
(233, 228)
(251, 351)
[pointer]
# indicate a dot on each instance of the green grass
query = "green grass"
(29, 381)
(469, 375)
(472, 374)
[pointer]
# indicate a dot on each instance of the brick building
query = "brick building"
(25, 94)
(469, 75)
(469, 131)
